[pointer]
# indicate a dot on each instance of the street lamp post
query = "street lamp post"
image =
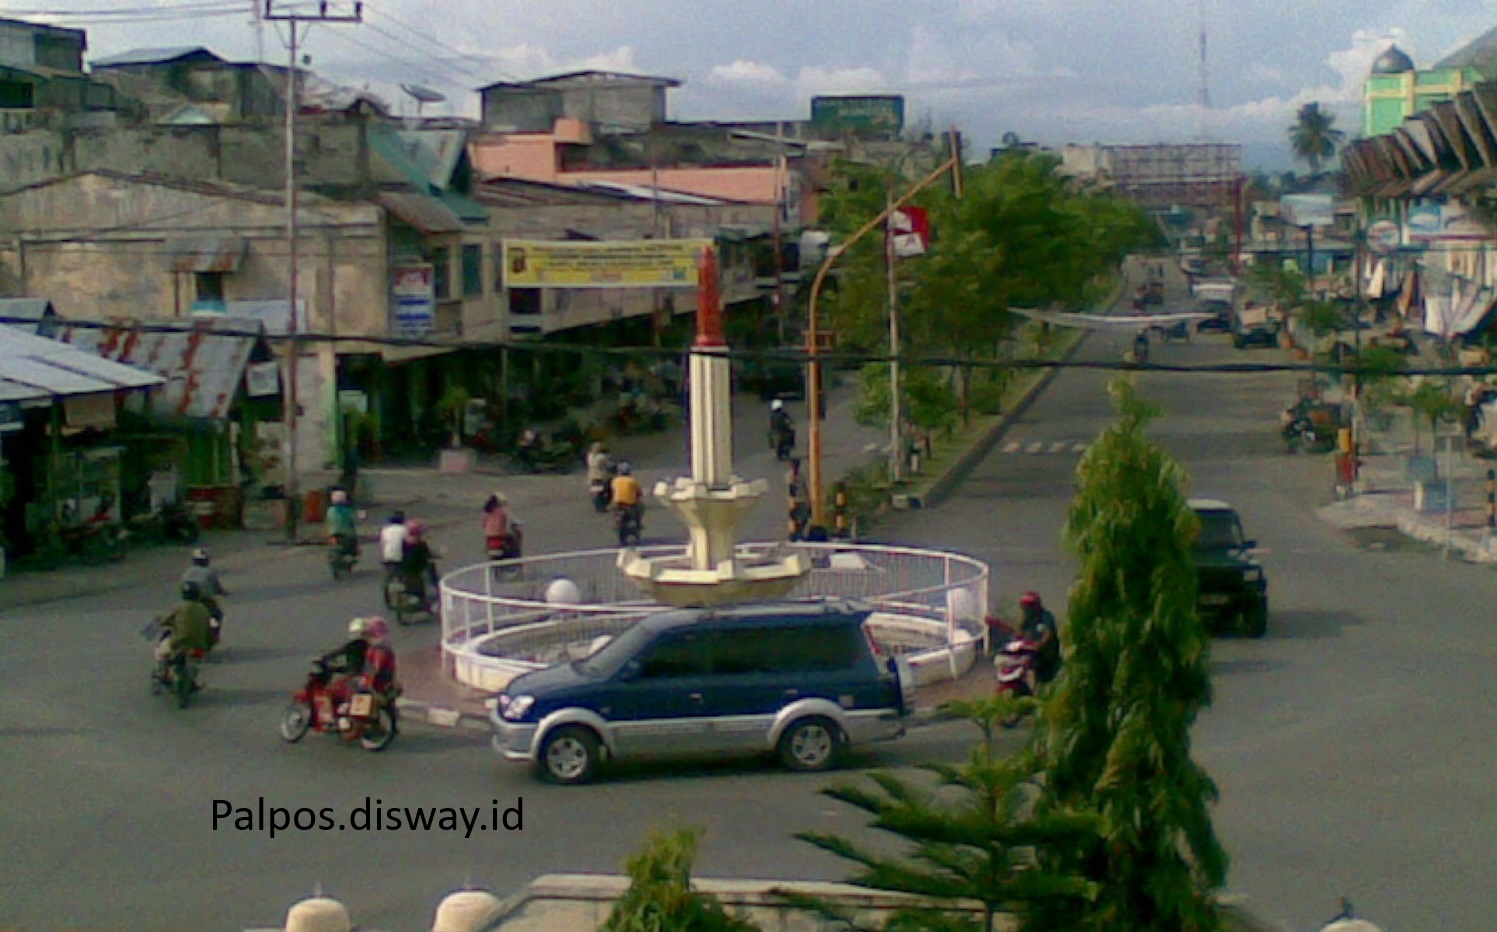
(813, 331)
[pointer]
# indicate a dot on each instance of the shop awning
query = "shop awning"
(34, 368)
(425, 214)
(206, 254)
(202, 368)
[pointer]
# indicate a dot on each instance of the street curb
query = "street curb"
(947, 482)
(441, 716)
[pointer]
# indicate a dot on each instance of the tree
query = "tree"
(660, 898)
(1314, 137)
(1435, 401)
(1115, 734)
(971, 838)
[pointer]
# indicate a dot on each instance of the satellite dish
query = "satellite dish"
(422, 94)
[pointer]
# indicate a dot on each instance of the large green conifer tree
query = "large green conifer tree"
(1115, 734)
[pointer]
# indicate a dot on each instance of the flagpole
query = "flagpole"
(895, 456)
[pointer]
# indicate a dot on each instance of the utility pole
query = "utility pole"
(297, 18)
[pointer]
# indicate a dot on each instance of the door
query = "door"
(661, 706)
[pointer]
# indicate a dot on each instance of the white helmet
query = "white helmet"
(358, 627)
(776, 405)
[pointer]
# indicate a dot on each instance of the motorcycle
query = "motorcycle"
(1016, 675)
(408, 601)
(628, 522)
(175, 672)
(782, 440)
(1300, 435)
(342, 555)
(601, 494)
(363, 716)
(512, 545)
(170, 522)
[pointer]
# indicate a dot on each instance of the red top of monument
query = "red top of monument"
(709, 302)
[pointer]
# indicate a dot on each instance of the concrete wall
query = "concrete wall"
(330, 152)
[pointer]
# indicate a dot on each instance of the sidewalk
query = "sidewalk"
(1385, 494)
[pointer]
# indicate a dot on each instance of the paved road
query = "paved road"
(1344, 746)
(1350, 744)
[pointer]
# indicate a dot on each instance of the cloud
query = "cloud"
(747, 72)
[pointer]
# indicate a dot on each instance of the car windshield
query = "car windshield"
(1219, 529)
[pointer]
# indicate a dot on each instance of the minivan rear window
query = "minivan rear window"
(785, 649)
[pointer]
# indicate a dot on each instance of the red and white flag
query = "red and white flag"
(909, 229)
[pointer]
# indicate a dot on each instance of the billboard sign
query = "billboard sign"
(645, 263)
(1445, 223)
(1384, 236)
(882, 113)
(413, 296)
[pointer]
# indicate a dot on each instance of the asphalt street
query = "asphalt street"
(1349, 744)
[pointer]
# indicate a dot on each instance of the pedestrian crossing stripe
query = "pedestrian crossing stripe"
(1036, 447)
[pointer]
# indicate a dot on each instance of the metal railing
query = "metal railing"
(497, 619)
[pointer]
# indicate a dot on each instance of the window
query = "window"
(781, 649)
(210, 286)
(672, 657)
(441, 281)
(472, 270)
(525, 301)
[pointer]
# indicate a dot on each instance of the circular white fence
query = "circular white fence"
(497, 622)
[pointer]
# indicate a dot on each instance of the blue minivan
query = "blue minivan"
(805, 680)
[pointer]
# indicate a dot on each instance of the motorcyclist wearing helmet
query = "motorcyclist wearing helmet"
(781, 429)
(379, 668)
(1038, 625)
(418, 565)
(625, 491)
(202, 575)
(343, 524)
(392, 539)
(186, 630)
(347, 661)
(189, 625)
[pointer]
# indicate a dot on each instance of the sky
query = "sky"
(1051, 71)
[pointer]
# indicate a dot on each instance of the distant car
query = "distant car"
(1252, 327)
(1231, 588)
(1221, 322)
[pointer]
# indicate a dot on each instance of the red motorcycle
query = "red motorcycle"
(361, 715)
(1016, 676)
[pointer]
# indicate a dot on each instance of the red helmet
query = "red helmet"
(1029, 600)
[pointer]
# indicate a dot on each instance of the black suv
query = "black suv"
(1232, 591)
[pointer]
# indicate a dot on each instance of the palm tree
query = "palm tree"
(1314, 136)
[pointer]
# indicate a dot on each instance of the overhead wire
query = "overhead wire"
(796, 356)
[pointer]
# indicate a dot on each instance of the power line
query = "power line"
(461, 55)
(798, 356)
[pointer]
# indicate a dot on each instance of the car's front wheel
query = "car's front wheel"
(570, 755)
(810, 745)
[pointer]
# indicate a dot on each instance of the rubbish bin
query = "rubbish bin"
(316, 507)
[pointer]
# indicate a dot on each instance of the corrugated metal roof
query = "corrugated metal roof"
(426, 214)
(26, 314)
(34, 368)
(156, 56)
(202, 369)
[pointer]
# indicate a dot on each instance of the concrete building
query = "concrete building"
(1396, 90)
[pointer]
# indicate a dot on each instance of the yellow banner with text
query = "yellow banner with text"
(640, 263)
